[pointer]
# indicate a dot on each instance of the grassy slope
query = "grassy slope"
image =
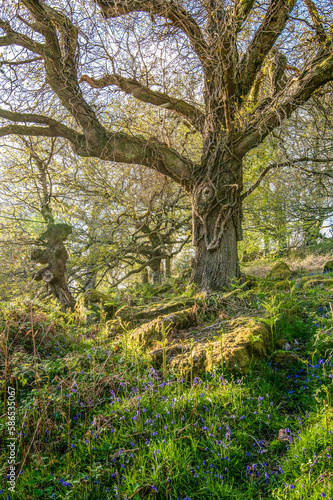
(99, 422)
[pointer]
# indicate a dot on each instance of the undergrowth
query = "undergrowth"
(96, 421)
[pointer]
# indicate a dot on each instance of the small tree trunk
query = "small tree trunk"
(90, 281)
(144, 276)
(282, 243)
(155, 267)
(167, 267)
(266, 245)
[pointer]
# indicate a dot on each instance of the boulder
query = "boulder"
(281, 271)
(283, 359)
(171, 351)
(321, 282)
(92, 296)
(92, 300)
(249, 340)
(149, 333)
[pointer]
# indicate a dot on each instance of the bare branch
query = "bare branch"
(53, 128)
(26, 130)
(299, 90)
(242, 10)
(19, 63)
(14, 38)
(123, 148)
(117, 147)
(47, 19)
(169, 9)
(289, 163)
(145, 94)
(315, 18)
(258, 181)
(272, 26)
(59, 50)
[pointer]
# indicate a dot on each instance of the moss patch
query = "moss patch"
(280, 271)
(94, 297)
(284, 359)
(249, 340)
(149, 333)
(322, 283)
(134, 314)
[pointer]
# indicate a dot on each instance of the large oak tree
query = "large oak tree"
(258, 60)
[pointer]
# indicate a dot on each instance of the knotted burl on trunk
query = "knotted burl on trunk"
(217, 223)
(214, 209)
(54, 255)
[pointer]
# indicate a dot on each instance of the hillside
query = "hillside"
(177, 395)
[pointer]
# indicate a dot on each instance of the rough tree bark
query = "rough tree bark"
(168, 267)
(156, 270)
(217, 218)
(144, 276)
(54, 255)
(250, 88)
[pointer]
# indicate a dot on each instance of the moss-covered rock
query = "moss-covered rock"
(283, 344)
(313, 281)
(171, 351)
(283, 285)
(251, 280)
(322, 283)
(281, 271)
(149, 333)
(92, 300)
(328, 267)
(249, 340)
(284, 359)
(153, 310)
(94, 297)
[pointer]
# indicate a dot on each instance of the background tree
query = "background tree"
(254, 64)
(122, 221)
(125, 222)
(294, 200)
(32, 161)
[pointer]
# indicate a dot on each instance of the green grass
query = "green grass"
(100, 423)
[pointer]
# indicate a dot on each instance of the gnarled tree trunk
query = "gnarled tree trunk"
(247, 94)
(55, 256)
(217, 218)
